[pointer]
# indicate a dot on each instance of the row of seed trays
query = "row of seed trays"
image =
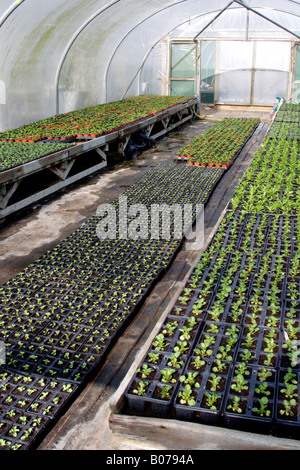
(61, 315)
(227, 353)
(271, 184)
(92, 121)
(220, 145)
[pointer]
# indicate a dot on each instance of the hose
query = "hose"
(203, 116)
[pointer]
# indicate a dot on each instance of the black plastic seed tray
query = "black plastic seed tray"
(217, 340)
(200, 395)
(289, 351)
(259, 346)
(19, 430)
(229, 311)
(25, 409)
(155, 382)
(262, 315)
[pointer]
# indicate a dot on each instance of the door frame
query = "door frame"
(293, 80)
(196, 76)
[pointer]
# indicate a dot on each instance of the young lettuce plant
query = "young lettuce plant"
(144, 371)
(211, 400)
(186, 396)
(141, 389)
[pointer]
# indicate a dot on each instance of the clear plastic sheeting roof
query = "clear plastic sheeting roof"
(58, 56)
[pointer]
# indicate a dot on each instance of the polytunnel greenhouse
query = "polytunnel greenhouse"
(150, 227)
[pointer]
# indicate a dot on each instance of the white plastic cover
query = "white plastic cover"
(57, 56)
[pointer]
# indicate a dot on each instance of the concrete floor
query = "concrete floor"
(23, 238)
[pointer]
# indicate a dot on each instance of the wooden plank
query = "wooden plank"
(179, 435)
(241, 107)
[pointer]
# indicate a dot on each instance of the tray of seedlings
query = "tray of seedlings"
(220, 145)
(155, 382)
(284, 130)
(204, 380)
(250, 400)
(14, 154)
(28, 403)
(270, 184)
(288, 112)
(287, 416)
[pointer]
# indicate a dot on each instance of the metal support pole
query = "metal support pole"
(216, 17)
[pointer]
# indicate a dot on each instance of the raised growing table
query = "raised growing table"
(84, 158)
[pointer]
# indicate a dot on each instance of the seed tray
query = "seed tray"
(289, 356)
(269, 285)
(172, 345)
(26, 428)
(200, 410)
(155, 381)
(234, 281)
(246, 261)
(287, 418)
(199, 278)
(262, 315)
(76, 364)
(224, 311)
(26, 409)
(218, 338)
(173, 327)
(275, 240)
(259, 357)
(155, 406)
(74, 374)
(191, 309)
